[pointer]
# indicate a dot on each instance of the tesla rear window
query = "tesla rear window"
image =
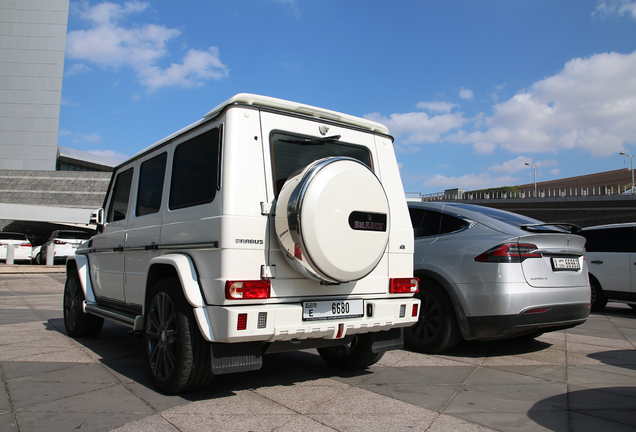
(501, 215)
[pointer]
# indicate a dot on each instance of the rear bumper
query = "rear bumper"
(557, 317)
(283, 322)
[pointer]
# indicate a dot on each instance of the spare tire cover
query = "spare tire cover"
(332, 220)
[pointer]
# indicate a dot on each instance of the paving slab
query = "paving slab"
(578, 379)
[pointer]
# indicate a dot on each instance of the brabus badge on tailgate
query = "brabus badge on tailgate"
(365, 221)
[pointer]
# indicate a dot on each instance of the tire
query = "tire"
(597, 297)
(76, 322)
(355, 355)
(437, 329)
(177, 356)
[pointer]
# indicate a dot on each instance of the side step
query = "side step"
(136, 322)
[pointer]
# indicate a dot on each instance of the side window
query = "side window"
(121, 191)
(195, 171)
(417, 216)
(452, 224)
(593, 240)
(151, 175)
(430, 224)
(618, 240)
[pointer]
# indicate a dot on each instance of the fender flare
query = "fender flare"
(189, 279)
(80, 262)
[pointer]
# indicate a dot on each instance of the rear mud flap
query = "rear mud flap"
(236, 357)
(387, 340)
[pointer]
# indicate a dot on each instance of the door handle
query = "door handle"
(119, 248)
(598, 262)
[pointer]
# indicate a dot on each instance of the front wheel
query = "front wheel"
(357, 354)
(76, 322)
(176, 354)
(437, 329)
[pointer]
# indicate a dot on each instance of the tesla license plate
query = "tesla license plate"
(565, 264)
(332, 309)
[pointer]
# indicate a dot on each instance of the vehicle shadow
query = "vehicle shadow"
(607, 408)
(123, 355)
(495, 348)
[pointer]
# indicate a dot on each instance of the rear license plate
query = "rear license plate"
(565, 264)
(332, 309)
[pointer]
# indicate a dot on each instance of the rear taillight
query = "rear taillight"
(25, 245)
(245, 290)
(58, 242)
(404, 285)
(509, 253)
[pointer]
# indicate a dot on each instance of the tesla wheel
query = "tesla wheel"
(437, 329)
(76, 322)
(597, 298)
(355, 355)
(176, 354)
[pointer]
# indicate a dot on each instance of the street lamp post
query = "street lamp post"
(535, 177)
(632, 158)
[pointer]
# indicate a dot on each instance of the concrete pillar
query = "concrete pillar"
(10, 254)
(50, 254)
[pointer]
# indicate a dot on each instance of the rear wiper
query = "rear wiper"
(571, 228)
(311, 141)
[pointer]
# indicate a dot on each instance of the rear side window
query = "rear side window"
(119, 202)
(195, 171)
(426, 223)
(292, 152)
(452, 224)
(610, 240)
(151, 175)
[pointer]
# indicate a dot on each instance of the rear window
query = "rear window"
(513, 219)
(291, 152)
(73, 235)
(12, 236)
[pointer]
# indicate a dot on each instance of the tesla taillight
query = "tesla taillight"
(509, 253)
(59, 242)
(245, 290)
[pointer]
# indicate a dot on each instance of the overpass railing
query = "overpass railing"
(582, 191)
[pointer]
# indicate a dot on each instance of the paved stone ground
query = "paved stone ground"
(576, 380)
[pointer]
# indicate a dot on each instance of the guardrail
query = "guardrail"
(581, 191)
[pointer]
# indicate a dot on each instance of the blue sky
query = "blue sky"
(470, 89)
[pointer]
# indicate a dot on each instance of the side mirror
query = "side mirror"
(97, 217)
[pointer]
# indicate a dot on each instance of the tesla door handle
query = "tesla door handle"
(598, 262)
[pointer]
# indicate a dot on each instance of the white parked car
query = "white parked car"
(266, 226)
(21, 245)
(65, 243)
(611, 257)
(491, 274)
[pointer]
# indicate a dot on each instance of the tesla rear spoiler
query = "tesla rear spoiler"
(544, 227)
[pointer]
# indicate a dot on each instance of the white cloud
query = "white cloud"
(466, 94)
(512, 166)
(77, 68)
(109, 153)
(419, 127)
(616, 7)
(590, 104)
(469, 181)
(141, 47)
(555, 172)
(88, 138)
(443, 107)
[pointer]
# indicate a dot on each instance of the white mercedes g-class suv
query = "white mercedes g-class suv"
(266, 226)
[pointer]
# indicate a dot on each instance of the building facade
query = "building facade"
(32, 44)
